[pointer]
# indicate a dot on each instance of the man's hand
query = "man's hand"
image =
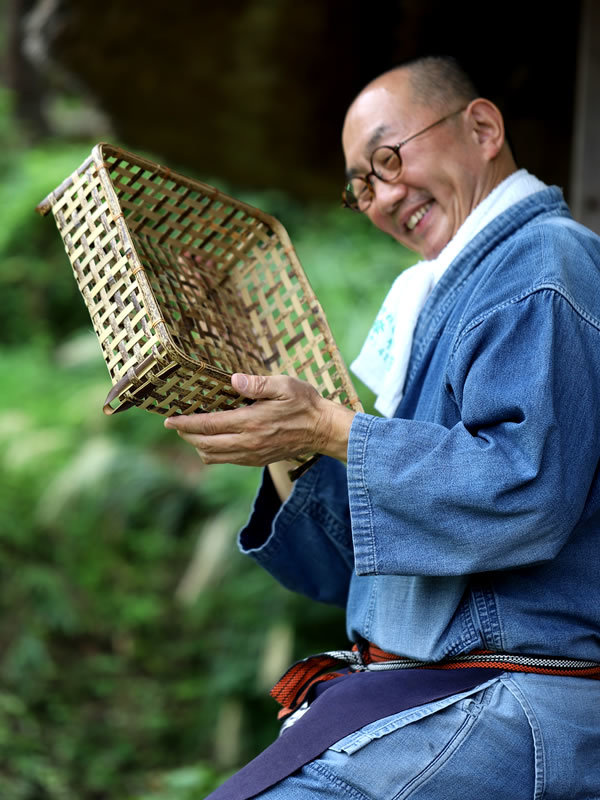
(288, 418)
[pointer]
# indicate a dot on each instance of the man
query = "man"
(468, 518)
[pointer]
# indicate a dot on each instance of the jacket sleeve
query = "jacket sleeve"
(305, 543)
(506, 484)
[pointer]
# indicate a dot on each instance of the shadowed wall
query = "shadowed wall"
(255, 90)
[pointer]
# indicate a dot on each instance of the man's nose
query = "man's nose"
(387, 195)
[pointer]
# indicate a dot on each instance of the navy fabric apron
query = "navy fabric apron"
(342, 706)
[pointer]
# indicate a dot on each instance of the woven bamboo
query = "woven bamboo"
(186, 286)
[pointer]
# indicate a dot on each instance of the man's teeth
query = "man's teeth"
(419, 214)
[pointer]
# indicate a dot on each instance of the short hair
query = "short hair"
(439, 81)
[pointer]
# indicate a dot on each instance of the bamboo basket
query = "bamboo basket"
(186, 286)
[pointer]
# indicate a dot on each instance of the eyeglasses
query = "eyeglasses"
(386, 166)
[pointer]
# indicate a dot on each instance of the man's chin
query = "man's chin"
(427, 247)
(430, 243)
(433, 247)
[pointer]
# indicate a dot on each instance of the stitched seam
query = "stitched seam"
(329, 521)
(486, 606)
(545, 287)
(380, 729)
(435, 323)
(441, 758)
(370, 615)
(365, 489)
(341, 784)
(297, 504)
(538, 742)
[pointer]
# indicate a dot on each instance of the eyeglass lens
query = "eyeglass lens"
(386, 164)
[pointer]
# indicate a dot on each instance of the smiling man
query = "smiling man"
(448, 166)
(461, 529)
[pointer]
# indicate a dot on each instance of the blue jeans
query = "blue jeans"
(519, 737)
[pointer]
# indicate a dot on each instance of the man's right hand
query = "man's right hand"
(289, 418)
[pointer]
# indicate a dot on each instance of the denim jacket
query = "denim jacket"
(472, 518)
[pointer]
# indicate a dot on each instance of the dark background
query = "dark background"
(256, 91)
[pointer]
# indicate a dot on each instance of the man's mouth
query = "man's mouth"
(418, 215)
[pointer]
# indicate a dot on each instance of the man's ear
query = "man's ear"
(487, 126)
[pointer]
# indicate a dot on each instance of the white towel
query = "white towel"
(383, 360)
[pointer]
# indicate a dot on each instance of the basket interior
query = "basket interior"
(227, 285)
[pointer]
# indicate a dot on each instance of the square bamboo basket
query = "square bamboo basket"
(186, 286)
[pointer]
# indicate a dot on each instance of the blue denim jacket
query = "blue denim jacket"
(472, 518)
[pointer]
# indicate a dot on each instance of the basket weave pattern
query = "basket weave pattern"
(185, 286)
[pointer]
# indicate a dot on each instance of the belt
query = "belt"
(293, 688)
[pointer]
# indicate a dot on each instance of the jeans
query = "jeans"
(519, 737)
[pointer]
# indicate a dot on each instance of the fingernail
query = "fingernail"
(241, 382)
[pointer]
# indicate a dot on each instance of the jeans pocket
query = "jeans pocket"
(465, 701)
(392, 757)
(443, 748)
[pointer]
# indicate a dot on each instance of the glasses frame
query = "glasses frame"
(396, 149)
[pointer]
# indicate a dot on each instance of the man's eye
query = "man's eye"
(386, 161)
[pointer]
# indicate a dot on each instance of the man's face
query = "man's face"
(442, 174)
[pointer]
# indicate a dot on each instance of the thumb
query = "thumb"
(256, 387)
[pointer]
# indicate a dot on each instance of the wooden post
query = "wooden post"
(585, 165)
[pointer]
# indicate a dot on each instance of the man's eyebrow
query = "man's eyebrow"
(377, 135)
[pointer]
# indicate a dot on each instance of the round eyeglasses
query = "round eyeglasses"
(386, 166)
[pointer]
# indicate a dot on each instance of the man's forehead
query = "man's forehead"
(375, 114)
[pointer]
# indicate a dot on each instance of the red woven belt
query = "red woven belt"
(292, 688)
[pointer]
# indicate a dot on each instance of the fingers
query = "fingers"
(234, 420)
(261, 387)
(221, 449)
(233, 449)
(241, 436)
(207, 424)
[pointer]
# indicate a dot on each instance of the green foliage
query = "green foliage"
(185, 783)
(35, 286)
(136, 643)
(9, 139)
